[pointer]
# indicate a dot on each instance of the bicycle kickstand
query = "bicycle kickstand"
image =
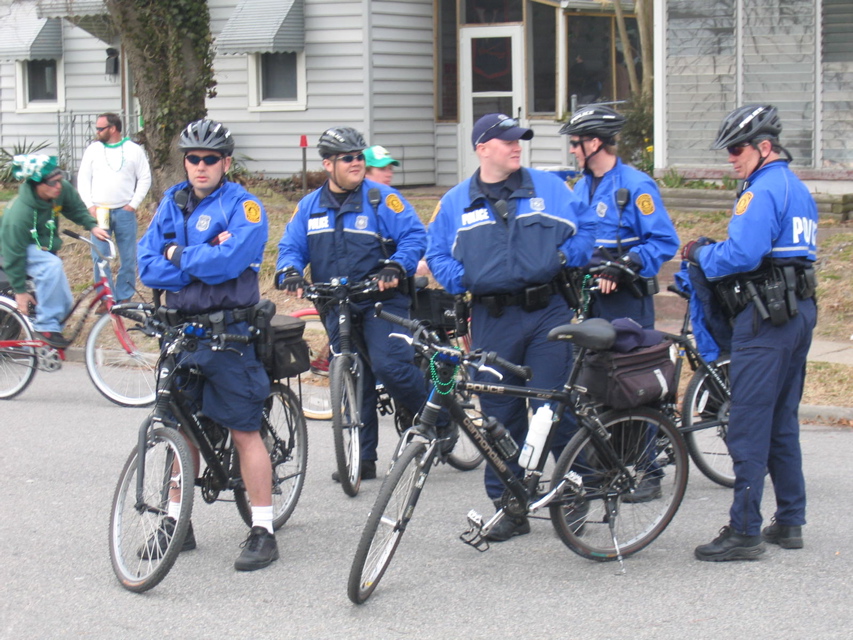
(611, 522)
(474, 535)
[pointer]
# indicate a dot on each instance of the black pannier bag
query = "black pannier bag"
(627, 380)
(436, 306)
(289, 351)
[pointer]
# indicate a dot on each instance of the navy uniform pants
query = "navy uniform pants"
(768, 366)
(521, 338)
(623, 304)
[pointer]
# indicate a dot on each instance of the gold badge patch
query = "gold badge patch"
(252, 210)
(743, 203)
(394, 203)
(645, 204)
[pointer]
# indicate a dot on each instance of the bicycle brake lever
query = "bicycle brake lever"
(494, 372)
(402, 336)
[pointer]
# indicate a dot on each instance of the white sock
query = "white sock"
(262, 517)
(174, 510)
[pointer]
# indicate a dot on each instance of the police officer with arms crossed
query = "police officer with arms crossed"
(764, 278)
(204, 246)
(504, 235)
(359, 229)
(633, 224)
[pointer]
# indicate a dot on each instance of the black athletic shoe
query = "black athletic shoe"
(368, 471)
(646, 491)
(159, 541)
(787, 536)
(730, 545)
(259, 550)
(508, 527)
(54, 339)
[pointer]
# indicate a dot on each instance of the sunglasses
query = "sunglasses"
(351, 158)
(208, 160)
(738, 149)
(53, 183)
(508, 123)
(574, 144)
(99, 129)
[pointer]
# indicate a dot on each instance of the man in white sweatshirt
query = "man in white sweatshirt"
(114, 175)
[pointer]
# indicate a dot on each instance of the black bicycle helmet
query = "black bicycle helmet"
(206, 135)
(747, 123)
(594, 120)
(340, 140)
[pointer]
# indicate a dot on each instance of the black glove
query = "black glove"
(290, 280)
(628, 260)
(611, 273)
(391, 271)
(691, 249)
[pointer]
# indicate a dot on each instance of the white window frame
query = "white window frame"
(21, 90)
(255, 88)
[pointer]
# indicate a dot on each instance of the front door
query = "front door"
(492, 66)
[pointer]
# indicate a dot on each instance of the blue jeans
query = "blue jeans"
(53, 295)
(123, 227)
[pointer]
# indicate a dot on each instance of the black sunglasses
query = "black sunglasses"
(574, 144)
(53, 183)
(738, 149)
(507, 123)
(208, 160)
(351, 158)
(99, 129)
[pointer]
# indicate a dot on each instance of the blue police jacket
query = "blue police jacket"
(202, 274)
(471, 248)
(347, 240)
(775, 217)
(643, 229)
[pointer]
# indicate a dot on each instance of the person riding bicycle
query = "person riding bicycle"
(634, 227)
(359, 229)
(505, 235)
(204, 247)
(763, 277)
(30, 240)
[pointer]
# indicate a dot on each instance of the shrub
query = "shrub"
(22, 148)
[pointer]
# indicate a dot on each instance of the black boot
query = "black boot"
(730, 545)
(508, 527)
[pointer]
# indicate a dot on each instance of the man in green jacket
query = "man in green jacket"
(29, 238)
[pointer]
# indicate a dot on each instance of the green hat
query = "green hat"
(377, 156)
(36, 167)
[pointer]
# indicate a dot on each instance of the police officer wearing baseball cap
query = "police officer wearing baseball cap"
(504, 235)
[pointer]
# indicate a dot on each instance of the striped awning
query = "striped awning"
(25, 36)
(70, 8)
(264, 26)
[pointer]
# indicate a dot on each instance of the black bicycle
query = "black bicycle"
(590, 495)
(143, 545)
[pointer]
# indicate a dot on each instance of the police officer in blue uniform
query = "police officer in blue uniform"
(356, 228)
(633, 224)
(504, 235)
(204, 247)
(764, 279)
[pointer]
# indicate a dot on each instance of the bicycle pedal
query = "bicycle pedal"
(474, 535)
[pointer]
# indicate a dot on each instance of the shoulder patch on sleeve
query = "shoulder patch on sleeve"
(435, 213)
(743, 203)
(645, 204)
(252, 210)
(393, 202)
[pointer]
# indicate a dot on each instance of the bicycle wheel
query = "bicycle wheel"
(121, 361)
(707, 446)
(314, 383)
(17, 363)
(346, 421)
(144, 542)
(285, 435)
(465, 456)
(388, 520)
(597, 505)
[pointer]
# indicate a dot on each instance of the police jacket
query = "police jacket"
(28, 220)
(204, 275)
(354, 238)
(642, 228)
(775, 217)
(471, 247)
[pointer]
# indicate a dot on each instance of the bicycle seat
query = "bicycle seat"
(595, 334)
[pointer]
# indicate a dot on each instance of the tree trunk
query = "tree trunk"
(644, 10)
(168, 48)
(626, 48)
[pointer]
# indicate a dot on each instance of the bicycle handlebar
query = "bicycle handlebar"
(339, 288)
(77, 236)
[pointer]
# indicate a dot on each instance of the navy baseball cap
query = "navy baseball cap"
(630, 335)
(498, 125)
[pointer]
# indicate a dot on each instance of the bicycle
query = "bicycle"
(589, 495)
(142, 548)
(120, 352)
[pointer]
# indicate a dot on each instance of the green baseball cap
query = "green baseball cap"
(377, 156)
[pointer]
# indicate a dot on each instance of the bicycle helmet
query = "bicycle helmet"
(747, 123)
(594, 120)
(340, 140)
(207, 135)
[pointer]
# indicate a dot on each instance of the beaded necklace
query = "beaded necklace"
(50, 224)
(119, 144)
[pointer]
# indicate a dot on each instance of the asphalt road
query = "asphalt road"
(63, 446)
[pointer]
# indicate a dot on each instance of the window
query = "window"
(447, 69)
(277, 81)
(543, 55)
(40, 85)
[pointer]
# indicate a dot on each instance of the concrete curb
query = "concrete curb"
(818, 412)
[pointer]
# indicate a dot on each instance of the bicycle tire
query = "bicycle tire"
(122, 362)
(314, 384)
(346, 421)
(388, 520)
(708, 446)
(465, 456)
(636, 524)
(285, 436)
(18, 365)
(133, 531)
